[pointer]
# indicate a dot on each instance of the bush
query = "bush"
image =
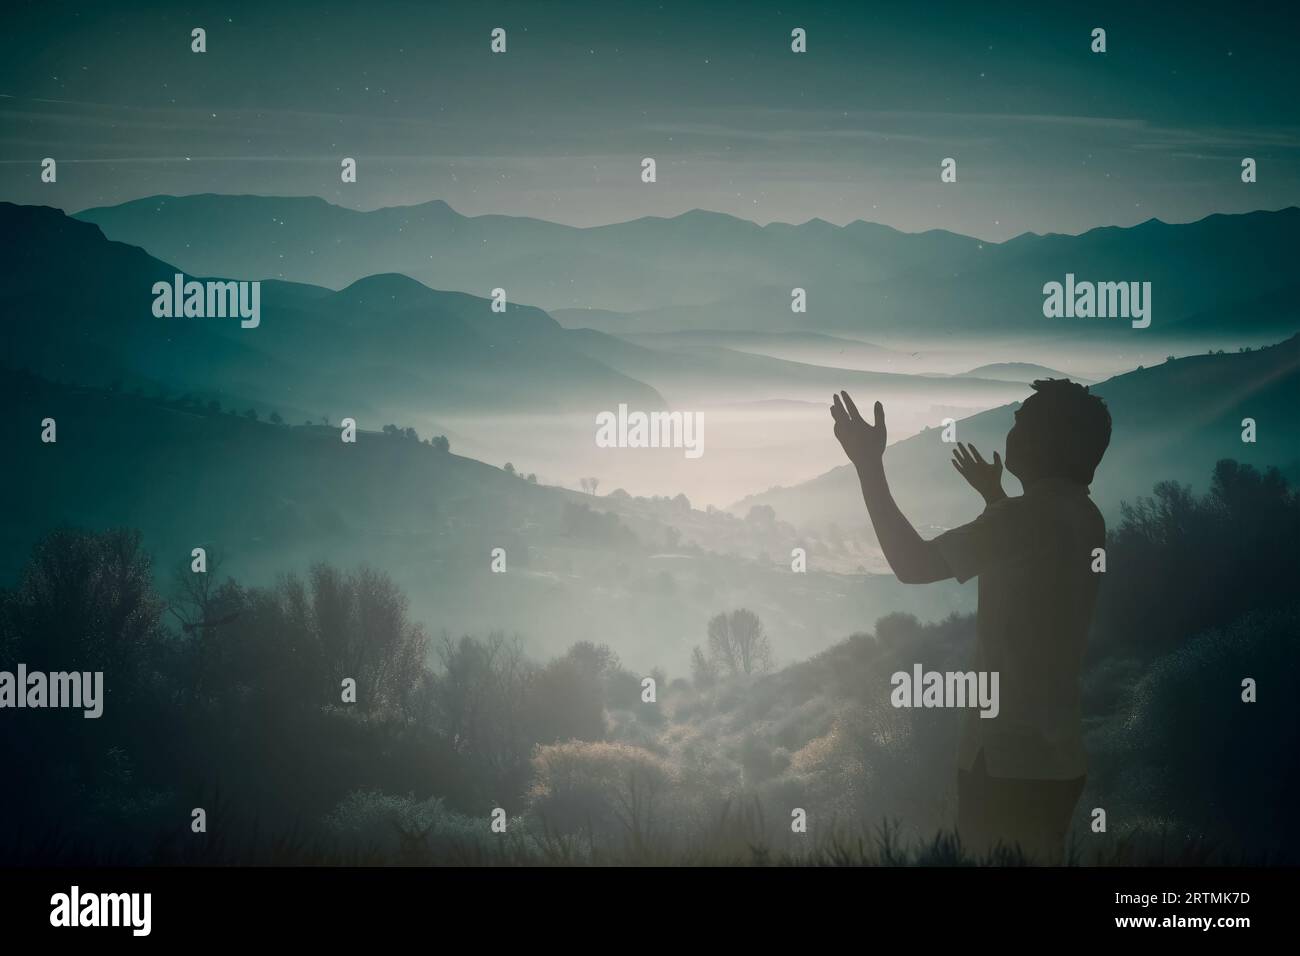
(608, 791)
(1178, 564)
(1214, 764)
(404, 830)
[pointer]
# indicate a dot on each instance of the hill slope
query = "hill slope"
(643, 576)
(80, 310)
(1173, 421)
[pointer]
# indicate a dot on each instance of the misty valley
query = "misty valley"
(493, 519)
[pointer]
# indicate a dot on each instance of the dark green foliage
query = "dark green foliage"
(601, 528)
(228, 697)
(1207, 760)
(1178, 563)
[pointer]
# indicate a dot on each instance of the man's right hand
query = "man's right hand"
(863, 443)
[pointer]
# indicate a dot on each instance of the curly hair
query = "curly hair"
(1068, 426)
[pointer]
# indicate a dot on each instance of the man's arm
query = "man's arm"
(912, 559)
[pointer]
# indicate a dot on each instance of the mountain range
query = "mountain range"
(1221, 276)
(79, 309)
(382, 345)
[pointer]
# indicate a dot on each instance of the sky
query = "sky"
(1047, 135)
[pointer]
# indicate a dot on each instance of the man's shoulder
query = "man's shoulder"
(1069, 506)
(1089, 507)
(1081, 513)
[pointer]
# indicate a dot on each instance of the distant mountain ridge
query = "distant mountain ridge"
(688, 259)
(1020, 372)
(1224, 274)
(79, 310)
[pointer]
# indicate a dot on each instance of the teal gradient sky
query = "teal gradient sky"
(1047, 135)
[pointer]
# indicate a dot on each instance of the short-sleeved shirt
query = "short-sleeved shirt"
(1034, 557)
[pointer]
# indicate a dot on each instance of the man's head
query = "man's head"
(1061, 431)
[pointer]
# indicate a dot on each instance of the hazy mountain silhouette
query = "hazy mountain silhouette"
(1221, 275)
(691, 259)
(80, 310)
(1019, 372)
(1224, 274)
(1171, 421)
(810, 347)
(711, 373)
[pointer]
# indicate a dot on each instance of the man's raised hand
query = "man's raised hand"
(984, 477)
(861, 441)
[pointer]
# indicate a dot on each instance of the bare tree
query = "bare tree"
(203, 607)
(738, 643)
(478, 696)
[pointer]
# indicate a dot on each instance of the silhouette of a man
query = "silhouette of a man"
(1020, 773)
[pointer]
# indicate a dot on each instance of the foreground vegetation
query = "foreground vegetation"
(228, 698)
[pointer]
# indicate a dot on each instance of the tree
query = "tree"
(598, 659)
(362, 625)
(704, 673)
(565, 700)
(204, 608)
(610, 791)
(509, 469)
(602, 527)
(440, 443)
(85, 601)
(276, 419)
(738, 644)
(479, 698)
(292, 644)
